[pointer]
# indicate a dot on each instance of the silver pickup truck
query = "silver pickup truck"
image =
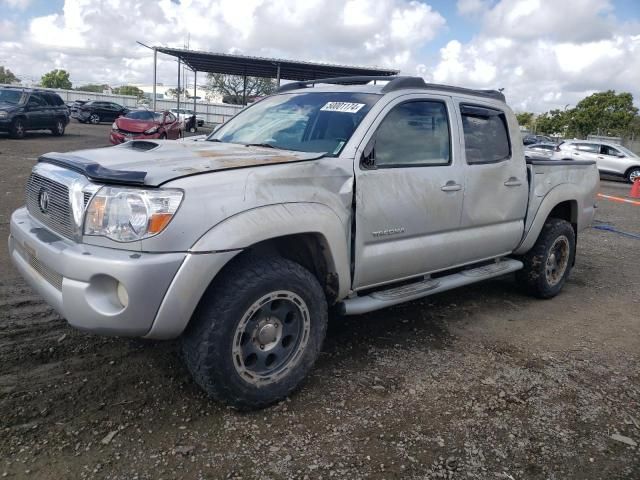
(337, 194)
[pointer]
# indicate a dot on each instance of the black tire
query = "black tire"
(18, 128)
(58, 128)
(548, 264)
(163, 136)
(94, 119)
(633, 174)
(213, 343)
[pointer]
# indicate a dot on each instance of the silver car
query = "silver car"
(611, 159)
(539, 151)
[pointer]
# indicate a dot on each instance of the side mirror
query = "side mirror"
(620, 155)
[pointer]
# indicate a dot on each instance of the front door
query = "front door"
(609, 160)
(409, 192)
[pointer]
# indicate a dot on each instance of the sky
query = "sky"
(545, 53)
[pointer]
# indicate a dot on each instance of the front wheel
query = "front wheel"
(633, 174)
(548, 263)
(94, 118)
(17, 129)
(257, 332)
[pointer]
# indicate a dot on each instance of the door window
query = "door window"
(170, 118)
(413, 134)
(36, 100)
(588, 147)
(607, 150)
(486, 136)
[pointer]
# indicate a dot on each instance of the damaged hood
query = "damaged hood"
(152, 163)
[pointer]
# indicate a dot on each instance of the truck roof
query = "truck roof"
(391, 84)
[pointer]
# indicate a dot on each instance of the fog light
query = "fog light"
(123, 296)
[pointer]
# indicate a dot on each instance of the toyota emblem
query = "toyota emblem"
(43, 201)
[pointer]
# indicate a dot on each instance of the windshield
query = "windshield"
(144, 115)
(307, 122)
(626, 151)
(14, 97)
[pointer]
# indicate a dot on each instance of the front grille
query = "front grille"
(51, 276)
(58, 213)
(128, 132)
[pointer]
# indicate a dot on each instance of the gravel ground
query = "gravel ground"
(478, 383)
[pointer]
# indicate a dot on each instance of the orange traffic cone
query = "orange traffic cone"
(635, 189)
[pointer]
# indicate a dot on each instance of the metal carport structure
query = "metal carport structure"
(247, 66)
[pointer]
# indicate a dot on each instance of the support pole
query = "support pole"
(178, 94)
(155, 73)
(244, 90)
(278, 76)
(195, 77)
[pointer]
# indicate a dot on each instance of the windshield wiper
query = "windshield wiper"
(214, 140)
(265, 145)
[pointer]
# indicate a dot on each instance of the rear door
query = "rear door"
(36, 111)
(609, 160)
(409, 192)
(496, 185)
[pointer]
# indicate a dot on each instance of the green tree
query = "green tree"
(603, 113)
(7, 76)
(92, 87)
(56, 79)
(525, 119)
(554, 122)
(231, 87)
(128, 90)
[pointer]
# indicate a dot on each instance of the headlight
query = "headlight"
(114, 126)
(4, 114)
(151, 130)
(130, 214)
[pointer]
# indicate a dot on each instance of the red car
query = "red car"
(144, 124)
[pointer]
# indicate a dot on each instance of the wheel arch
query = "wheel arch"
(561, 202)
(309, 234)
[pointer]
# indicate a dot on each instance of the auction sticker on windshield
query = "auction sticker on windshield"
(345, 107)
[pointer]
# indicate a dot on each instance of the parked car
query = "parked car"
(241, 241)
(145, 124)
(611, 159)
(96, 111)
(73, 107)
(539, 151)
(185, 114)
(531, 139)
(24, 109)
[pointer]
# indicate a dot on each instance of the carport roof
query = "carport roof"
(266, 67)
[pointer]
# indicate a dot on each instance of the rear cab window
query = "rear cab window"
(486, 134)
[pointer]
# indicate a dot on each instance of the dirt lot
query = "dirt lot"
(479, 383)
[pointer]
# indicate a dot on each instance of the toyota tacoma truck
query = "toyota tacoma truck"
(350, 195)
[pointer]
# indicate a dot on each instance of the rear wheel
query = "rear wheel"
(633, 174)
(18, 128)
(257, 332)
(58, 128)
(548, 263)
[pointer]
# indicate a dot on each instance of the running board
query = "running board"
(423, 288)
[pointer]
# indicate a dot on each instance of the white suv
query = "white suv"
(611, 159)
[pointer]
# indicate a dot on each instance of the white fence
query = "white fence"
(214, 113)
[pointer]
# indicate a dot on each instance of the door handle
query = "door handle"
(512, 182)
(600, 157)
(576, 154)
(451, 186)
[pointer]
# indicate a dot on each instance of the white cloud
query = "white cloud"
(96, 41)
(545, 54)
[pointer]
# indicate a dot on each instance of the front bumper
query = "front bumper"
(117, 138)
(81, 281)
(5, 124)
